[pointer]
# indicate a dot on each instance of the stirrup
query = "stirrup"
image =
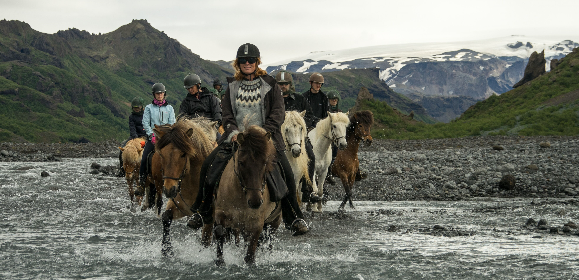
(195, 222)
(299, 227)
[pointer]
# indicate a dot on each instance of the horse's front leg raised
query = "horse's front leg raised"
(166, 247)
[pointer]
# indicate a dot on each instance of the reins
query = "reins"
(178, 187)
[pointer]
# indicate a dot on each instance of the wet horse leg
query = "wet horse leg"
(252, 240)
(220, 234)
(166, 247)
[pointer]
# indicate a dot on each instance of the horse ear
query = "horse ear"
(139, 150)
(189, 132)
(303, 113)
(240, 138)
(214, 124)
(122, 149)
(268, 134)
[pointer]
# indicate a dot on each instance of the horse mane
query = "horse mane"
(294, 117)
(260, 147)
(198, 145)
(366, 118)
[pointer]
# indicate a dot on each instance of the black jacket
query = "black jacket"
(296, 102)
(208, 105)
(320, 110)
(136, 125)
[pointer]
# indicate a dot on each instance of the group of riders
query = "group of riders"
(252, 97)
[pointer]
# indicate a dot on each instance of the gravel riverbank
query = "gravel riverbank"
(439, 169)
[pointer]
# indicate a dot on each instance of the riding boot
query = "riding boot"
(299, 227)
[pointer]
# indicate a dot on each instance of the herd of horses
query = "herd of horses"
(242, 204)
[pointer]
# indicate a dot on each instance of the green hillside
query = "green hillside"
(73, 85)
(548, 105)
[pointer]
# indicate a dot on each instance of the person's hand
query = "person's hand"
(153, 139)
(234, 138)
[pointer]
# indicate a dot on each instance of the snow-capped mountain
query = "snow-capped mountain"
(476, 69)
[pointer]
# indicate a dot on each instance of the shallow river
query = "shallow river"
(74, 225)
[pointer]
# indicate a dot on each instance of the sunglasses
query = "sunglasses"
(243, 60)
(283, 84)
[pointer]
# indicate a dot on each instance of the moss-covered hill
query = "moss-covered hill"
(74, 85)
(547, 105)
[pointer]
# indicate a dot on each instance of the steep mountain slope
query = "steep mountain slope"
(75, 85)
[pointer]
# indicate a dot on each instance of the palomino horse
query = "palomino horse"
(331, 129)
(242, 203)
(294, 131)
(132, 153)
(346, 164)
(181, 150)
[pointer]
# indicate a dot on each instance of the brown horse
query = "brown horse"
(346, 164)
(242, 203)
(181, 150)
(132, 153)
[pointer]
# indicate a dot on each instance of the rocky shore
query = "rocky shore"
(438, 169)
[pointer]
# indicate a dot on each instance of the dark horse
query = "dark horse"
(346, 164)
(242, 202)
(181, 150)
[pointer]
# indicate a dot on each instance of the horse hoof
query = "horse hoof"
(220, 262)
(167, 252)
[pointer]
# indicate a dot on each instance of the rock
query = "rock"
(554, 230)
(531, 223)
(95, 165)
(44, 174)
(571, 225)
(94, 171)
(438, 227)
(535, 68)
(554, 63)
(391, 228)
(5, 153)
(532, 167)
(508, 182)
(498, 147)
(566, 229)
(545, 144)
(542, 222)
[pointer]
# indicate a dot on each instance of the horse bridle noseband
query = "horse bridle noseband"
(334, 138)
(243, 186)
(176, 179)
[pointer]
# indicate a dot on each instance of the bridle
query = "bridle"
(334, 138)
(179, 180)
(244, 187)
(291, 144)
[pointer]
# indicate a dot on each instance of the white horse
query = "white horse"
(294, 131)
(331, 129)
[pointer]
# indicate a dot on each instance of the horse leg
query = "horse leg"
(253, 239)
(159, 197)
(219, 232)
(321, 179)
(166, 247)
(206, 234)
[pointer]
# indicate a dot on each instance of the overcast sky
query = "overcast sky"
(286, 29)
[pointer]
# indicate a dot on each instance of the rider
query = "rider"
(199, 102)
(334, 100)
(296, 102)
(159, 112)
(253, 94)
(319, 103)
(217, 88)
(136, 129)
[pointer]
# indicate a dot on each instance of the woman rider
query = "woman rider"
(159, 112)
(254, 94)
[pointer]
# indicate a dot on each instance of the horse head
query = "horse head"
(339, 122)
(180, 146)
(362, 122)
(293, 131)
(252, 160)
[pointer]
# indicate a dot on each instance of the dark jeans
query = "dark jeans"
(211, 171)
(149, 147)
(312, 156)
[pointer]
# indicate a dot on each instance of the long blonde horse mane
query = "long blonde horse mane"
(198, 144)
(293, 117)
(324, 126)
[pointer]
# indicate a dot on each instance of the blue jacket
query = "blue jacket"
(157, 115)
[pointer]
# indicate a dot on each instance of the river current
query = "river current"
(74, 225)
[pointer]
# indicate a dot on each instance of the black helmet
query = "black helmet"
(191, 80)
(137, 102)
(334, 95)
(158, 87)
(247, 50)
(217, 82)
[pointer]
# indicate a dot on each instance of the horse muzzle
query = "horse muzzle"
(368, 141)
(342, 145)
(255, 203)
(171, 192)
(296, 151)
